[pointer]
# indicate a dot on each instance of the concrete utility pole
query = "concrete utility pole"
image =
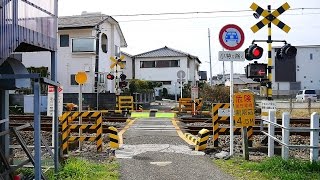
(210, 57)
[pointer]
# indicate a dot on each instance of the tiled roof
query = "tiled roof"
(248, 80)
(127, 54)
(91, 20)
(85, 20)
(165, 52)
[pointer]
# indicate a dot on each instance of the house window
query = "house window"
(73, 79)
(166, 82)
(311, 56)
(116, 51)
(104, 43)
(101, 78)
(147, 64)
(64, 40)
(168, 63)
(163, 64)
(83, 45)
(175, 63)
(124, 63)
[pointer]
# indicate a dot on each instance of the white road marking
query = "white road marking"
(128, 151)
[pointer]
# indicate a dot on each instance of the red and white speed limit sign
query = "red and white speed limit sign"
(231, 37)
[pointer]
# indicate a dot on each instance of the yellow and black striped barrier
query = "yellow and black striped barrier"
(125, 102)
(191, 138)
(202, 142)
(217, 129)
(67, 118)
(216, 118)
(113, 137)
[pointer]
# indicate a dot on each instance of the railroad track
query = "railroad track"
(46, 123)
(257, 120)
(29, 118)
(48, 127)
(194, 125)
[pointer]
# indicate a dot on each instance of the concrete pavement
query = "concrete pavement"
(153, 150)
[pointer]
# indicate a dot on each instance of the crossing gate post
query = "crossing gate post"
(66, 120)
(203, 137)
(125, 102)
(65, 131)
(99, 133)
(113, 137)
(216, 118)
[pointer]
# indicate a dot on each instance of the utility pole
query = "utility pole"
(223, 71)
(210, 57)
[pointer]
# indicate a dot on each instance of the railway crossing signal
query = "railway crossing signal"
(270, 17)
(256, 71)
(123, 77)
(253, 52)
(117, 61)
(110, 76)
(286, 51)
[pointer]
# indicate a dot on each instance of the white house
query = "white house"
(128, 68)
(85, 43)
(162, 65)
(301, 72)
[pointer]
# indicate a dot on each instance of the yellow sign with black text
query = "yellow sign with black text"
(243, 109)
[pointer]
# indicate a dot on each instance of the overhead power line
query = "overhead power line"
(200, 12)
(205, 17)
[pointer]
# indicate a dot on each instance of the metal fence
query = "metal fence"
(286, 129)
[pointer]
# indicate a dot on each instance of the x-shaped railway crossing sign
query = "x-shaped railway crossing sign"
(117, 61)
(270, 17)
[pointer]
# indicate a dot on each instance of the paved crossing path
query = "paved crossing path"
(153, 150)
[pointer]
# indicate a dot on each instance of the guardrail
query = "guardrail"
(286, 129)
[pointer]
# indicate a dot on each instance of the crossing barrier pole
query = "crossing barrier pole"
(99, 132)
(202, 142)
(114, 138)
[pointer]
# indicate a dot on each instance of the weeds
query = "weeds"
(271, 168)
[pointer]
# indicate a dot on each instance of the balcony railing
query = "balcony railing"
(26, 26)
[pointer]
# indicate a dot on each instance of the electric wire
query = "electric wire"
(201, 12)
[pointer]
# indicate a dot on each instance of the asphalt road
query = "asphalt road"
(153, 150)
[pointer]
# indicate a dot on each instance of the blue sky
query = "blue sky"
(189, 32)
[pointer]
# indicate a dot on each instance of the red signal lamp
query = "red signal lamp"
(253, 52)
(110, 76)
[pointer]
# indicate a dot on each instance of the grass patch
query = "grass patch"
(81, 169)
(165, 115)
(140, 114)
(270, 168)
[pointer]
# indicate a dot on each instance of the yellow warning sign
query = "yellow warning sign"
(81, 77)
(243, 109)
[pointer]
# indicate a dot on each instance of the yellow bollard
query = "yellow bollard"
(203, 137)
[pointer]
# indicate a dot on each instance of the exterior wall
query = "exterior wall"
(128, 67)
(307, 70)
(162, 74)
(71, 63)
(193, 70)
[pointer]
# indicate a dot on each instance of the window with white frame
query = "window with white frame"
(73, 80)
(83, 45)
(147, 64)
(116, 51)
(124, 63)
